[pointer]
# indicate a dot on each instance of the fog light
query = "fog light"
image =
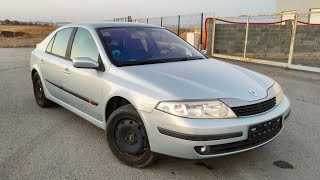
(205, 149)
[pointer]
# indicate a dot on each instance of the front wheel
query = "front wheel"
(127, 137)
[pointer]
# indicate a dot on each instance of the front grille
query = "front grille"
(254, 108)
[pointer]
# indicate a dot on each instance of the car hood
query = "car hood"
(201, 79)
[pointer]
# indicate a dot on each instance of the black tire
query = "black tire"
(127, 137)
(38, 91)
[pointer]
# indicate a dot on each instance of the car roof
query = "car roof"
(95, 25)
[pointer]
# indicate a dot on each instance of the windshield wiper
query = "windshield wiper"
(155, 61)
(188, 58)
(173, 59)
(131, 63)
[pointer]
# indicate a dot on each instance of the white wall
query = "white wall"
(300, 5)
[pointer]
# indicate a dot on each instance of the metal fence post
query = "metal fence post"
(213, 35)
(201, 31)
(293, 36)
(160, 21)
(246, 38)
(178, 25)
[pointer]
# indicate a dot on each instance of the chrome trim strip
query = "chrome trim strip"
(88, 100)
(232, 102)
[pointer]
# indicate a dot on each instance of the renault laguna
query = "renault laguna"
(153, 93)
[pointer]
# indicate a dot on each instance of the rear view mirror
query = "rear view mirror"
(85, 62)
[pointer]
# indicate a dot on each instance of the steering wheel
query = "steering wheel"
(162, 52)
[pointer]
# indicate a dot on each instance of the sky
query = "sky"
(95, 10)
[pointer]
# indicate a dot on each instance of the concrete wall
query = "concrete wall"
(264, 41)
(300, 5)
(267, 42)
(271, 42)
(307, 46)
(229, 39)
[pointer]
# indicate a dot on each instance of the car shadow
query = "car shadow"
(254, 159)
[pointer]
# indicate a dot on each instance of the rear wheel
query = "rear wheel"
(38, 91)
(127, 137)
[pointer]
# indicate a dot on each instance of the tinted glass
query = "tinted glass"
(147, 45)
(61, 42)
(84, 45)
(49, 47)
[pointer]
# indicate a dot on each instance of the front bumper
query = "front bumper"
(189, 134)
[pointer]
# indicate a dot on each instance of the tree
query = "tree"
(7, 21)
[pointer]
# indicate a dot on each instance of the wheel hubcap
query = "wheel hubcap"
(130, 138)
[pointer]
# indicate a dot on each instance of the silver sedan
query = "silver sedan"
(154, 93)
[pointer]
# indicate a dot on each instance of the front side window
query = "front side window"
(84, 45)
(61, 41)
(143, 45)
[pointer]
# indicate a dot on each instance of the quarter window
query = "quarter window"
(49, 47)
(84, 45)
(60, 43)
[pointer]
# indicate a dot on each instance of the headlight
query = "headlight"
(279, 92)
(207, 109)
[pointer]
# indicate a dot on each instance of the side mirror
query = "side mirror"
(85, 62)
(204, 52)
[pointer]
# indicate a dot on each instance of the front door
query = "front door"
(84, 86)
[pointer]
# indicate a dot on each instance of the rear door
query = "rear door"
(85, 85)
(53, 63)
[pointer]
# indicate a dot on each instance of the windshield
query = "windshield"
(136, 45)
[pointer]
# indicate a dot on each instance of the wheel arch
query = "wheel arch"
(114, 103)
(34, 71)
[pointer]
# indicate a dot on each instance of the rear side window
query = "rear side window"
(60, 43)
(84, 45)
(49, 47)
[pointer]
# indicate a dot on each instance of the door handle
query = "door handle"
(41, 61)
(66, 71)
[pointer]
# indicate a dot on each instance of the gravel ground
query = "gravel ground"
(54, 143)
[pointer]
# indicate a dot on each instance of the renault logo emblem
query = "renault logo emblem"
(253, 93)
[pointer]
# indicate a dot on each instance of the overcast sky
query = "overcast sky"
(89, 10)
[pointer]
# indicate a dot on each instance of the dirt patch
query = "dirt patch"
(11, 34)
(23, 35)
